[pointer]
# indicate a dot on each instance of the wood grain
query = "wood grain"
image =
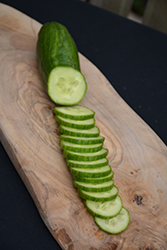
(30, 136)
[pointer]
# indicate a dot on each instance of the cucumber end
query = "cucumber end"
(66, 86)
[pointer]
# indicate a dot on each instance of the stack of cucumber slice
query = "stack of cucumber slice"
(87, 160)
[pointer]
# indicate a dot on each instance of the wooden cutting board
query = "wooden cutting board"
(30, 136)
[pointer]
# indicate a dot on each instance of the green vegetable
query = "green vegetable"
(116, 224)
(81, 148)
(75, 112)
(94, 187)
(83, 124)
(82, 140)
(99, 196)
(92, 132)
(85, 156)
(58, 63)
(91, 172)
(105, 210)
(88, 164)
(92, 176)
(94, 180)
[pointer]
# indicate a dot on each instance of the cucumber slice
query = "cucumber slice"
(88, 164)
(81, 148)
(98, 187)
(100, 196)
(75, 112)
(82, 140)
(66, 85)
(91, 172)
(86, 156)
(92, 132)
(105, 210)
(94, 180)
(116, 224)
(85, 124)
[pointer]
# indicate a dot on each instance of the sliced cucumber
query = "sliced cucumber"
(77, 112)
(91, 172)
(85, 156)
(84, 124)
(88, 164)
(81, 148)
(105, 210)
(82, 140)
(100, 196)
(95, 180)
(92, 176)
(116, 224)
(91, 187)
(92, 132)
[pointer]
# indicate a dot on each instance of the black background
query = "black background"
(132, 57)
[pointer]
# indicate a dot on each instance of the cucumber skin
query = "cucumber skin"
(55, 47)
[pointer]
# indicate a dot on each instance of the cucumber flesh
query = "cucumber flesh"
(83, 124)
(116, 224)
(81, 148)
(82, 140)
(77, 112)
(86, 156)
(95, 180)
(105, 210)
(92, 132)
(91, 187)
(66, 85)
(99, 196)
(91, 172)
(88, 164)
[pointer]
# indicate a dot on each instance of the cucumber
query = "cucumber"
(116, 224)
(94, 180)
(85, 156)
(105, 210)
(88, 164)
(92, 176)
(99, 196)
(94, 187)
(77, 112)
(82, 140)
(84, 124)
(58, 63)
(91, 172)
(92, 132)
(81, 148)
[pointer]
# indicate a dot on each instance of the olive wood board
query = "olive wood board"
(30, 136)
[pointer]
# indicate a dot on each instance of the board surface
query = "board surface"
(30, 136)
